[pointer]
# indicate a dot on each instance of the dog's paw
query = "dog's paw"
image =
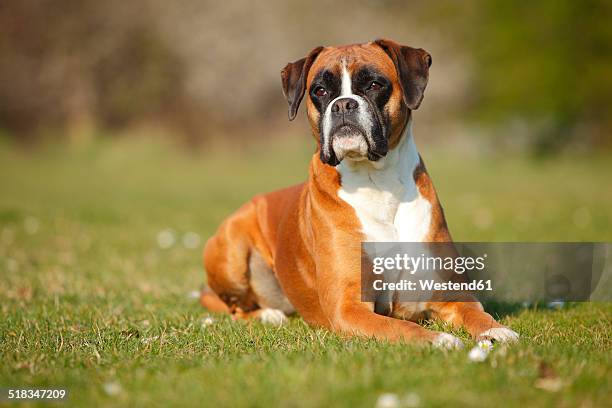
(500, 334)
(274, 317)
(447, 341)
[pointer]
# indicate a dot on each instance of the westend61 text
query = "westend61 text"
(433, 285)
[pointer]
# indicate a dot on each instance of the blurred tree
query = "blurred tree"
(546, 62)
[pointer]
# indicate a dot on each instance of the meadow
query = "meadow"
(100, 255)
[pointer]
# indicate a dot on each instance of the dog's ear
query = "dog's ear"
(294, 80)
(412, 65)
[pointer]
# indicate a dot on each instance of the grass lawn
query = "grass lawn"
(92, 302)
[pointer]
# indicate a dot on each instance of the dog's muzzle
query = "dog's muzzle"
(352, 132)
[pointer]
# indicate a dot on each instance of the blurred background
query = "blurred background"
(527, 76)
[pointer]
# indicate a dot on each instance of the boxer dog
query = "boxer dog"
(299, 249)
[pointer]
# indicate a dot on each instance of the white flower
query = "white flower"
(166, 238)
(112, 388)
(207, 321)
(191, 240)
(479, 353)
(148, 340)
(485, 345)
(549, 384)
(388, 400)
(194, 294)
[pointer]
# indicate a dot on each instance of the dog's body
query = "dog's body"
(299, 249)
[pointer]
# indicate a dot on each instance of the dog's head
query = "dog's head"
(359, 97)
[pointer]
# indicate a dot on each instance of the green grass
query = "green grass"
(88, 299)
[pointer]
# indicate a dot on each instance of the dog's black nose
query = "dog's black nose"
(344, 106)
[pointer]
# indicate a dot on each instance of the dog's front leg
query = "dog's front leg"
(471, 315)
(339, 292)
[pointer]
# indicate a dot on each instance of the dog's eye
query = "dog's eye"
(375, 86)
(320, 91)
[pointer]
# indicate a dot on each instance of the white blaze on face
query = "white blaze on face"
(346, 82)
(353, 146)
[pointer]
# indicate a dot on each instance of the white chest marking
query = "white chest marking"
(385, 196)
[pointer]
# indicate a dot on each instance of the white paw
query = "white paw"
(500, 334)
(447, 341)
(274, 317)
